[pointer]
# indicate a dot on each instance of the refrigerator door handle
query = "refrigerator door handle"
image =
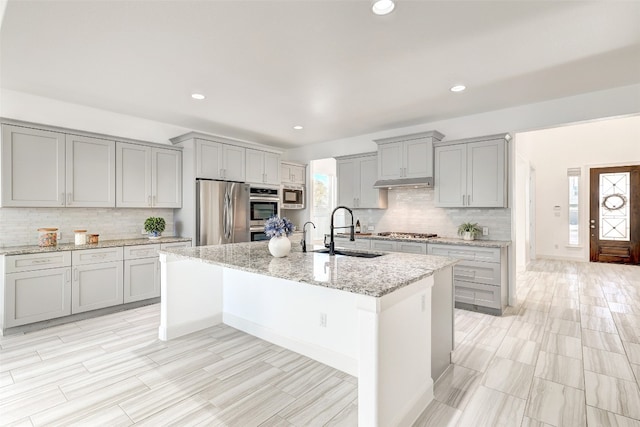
(228, 209)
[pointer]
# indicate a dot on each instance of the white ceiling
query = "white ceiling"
(330, 66)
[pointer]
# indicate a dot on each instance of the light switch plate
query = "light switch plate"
(485, 231)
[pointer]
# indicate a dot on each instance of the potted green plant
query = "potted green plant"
(468, 230)
(154, 225)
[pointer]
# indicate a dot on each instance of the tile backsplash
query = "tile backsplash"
(19, 226)
(413, 210)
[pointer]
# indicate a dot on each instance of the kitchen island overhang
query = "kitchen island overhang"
(371, 318)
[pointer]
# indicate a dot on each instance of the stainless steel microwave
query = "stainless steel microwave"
(292, 196)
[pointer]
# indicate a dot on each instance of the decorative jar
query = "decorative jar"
(80, 237)
(47, 237)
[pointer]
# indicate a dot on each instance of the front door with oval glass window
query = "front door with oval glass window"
(615, 215)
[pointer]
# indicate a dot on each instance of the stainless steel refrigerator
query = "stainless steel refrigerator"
(222, 212)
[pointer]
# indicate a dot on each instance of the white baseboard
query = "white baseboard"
(414, 408)
(323, 355)
(166, 333)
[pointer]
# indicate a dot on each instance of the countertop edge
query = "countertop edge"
(26, 250)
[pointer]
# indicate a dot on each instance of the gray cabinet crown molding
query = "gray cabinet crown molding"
(506, 136)
(224, 140)
(77, 132)
(356, 156)
(437, 136)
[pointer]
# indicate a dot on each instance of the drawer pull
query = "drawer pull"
(41, 261)
(98, 255)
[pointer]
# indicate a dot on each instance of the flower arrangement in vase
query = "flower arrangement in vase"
(278, 230)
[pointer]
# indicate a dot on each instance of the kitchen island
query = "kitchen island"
(387, 320)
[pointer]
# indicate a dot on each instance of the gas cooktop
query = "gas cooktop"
(399, 235)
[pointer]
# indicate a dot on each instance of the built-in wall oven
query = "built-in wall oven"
(263, 204)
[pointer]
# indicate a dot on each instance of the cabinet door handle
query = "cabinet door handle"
(75, 275)
(66, 275)
(463, 200)
(62, 199)
(154, 200)
(148, 200)
(469, 200)
(69, 199)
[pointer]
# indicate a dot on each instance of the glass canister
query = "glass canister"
(47, 237)
(80, 237)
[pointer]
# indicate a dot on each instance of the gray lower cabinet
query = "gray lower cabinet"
(37, 287)
(97, 279)
(399, 246)
(141, 272)
(480, 278)
(45, 286)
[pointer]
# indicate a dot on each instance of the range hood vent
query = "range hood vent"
(406, 182)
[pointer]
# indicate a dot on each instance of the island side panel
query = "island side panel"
(190, 296)
(318, 322)
(394, 373)
(442, 338)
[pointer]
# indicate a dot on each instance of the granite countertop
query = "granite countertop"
(368, 276)
(442, 240)
(34, 249)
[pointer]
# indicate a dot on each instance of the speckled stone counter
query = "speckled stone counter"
(442, 240)
(23, 250)
(368, 276)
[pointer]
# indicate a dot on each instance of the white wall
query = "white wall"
(552, 152)
(37, 109)
(594, 105)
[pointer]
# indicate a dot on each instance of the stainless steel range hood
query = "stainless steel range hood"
(426, 182)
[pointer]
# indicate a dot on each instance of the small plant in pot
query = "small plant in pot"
(468, 230)
(154, 225)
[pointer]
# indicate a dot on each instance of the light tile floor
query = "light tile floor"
(568, 354)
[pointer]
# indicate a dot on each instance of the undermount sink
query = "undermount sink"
(350, 253)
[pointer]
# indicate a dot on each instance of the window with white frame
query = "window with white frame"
(573, 177)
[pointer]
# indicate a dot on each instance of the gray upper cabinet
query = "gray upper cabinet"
(408, 156)
(356, 176)
(291, 173)
(148, 176)
(215, 160)
(90, 172)
(50, 169)
(33, 167)
(166, 178)
(262, 167)
(471, 172)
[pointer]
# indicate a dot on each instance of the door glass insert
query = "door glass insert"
(614, 206)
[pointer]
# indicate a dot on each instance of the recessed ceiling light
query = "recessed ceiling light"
(458, 88)
(298, 127)
(383, 7)
(197, 96)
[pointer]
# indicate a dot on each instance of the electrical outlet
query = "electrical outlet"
(323, 320)
(371, 228)
(58, 235)
(485, 231)
(143, 231)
